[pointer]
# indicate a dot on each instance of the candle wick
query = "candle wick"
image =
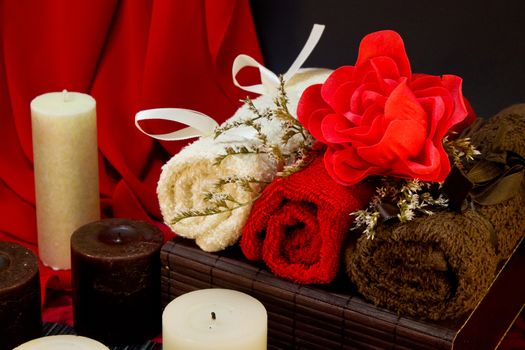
(213, 316)
(66, 95)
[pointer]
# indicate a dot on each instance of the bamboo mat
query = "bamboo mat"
(299, 317)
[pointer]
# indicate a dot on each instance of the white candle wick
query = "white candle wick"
(216, 318)
(66, 96)
(213, 318)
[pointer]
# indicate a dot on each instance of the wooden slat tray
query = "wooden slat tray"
(335, 316)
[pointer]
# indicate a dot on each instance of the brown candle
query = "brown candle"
(116, 280)
(20, 314)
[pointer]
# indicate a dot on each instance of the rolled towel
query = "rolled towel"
(436, 267)
(299, 223)
(505, 132)
(193, 172)
(440, 266)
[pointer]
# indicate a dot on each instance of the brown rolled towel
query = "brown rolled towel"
(440, 266)
(508, 218)
(433, 267)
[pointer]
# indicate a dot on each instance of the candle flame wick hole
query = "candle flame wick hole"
(213, 316)
(66, 95)
(118, 239)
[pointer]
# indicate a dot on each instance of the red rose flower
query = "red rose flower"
(377, 118)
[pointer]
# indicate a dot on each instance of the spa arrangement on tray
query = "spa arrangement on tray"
(369, 171)
(371, 168)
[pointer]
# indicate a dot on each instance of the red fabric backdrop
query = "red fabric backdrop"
(129, 55)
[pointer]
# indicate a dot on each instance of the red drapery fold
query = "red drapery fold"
(129, 55)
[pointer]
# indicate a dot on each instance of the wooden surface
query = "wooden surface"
(321, 317)
(335, 316)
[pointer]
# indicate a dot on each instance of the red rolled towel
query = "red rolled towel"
(298, 224)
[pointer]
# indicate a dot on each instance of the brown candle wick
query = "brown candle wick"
(213, 316)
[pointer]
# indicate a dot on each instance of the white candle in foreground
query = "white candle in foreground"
(65, 157)
(218, 319)
(62, 342)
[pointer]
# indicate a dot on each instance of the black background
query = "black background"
(483, 42)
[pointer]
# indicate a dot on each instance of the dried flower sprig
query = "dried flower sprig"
(235, 151)
(411, 198)
(460, 149)
(408, 197)
(212, 210)
(367, 218)
(244, 181)
(286, 162)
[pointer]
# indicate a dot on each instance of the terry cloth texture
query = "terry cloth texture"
(508, 218)
(299, 223)
(192, 172)
(434, 267)
(440, 266)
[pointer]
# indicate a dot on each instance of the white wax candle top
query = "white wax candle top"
(63, 103)
(215, 319)
(62, 342)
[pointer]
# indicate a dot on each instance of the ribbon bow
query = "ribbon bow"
(269, 80)
(199, 124)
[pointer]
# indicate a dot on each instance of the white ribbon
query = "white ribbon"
(270, 81)
(200, 124)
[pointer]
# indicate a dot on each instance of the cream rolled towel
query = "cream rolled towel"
(191, 173)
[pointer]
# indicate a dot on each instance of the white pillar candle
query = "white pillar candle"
(62, 342)
(65, 157)
(218, 319)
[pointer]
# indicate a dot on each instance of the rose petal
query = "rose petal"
(365, 134)
(370, 97)
(365, 73)
(387, 73)
(444, 169)
(315, 123)
(342, 98)
(354, 118)
(403, 104)
(402, 139)
(338, 165)
(385, 43)
(385, 68)
(423, 81)
(334, 128)
(357, 101)
(404, 127)
(426, 166)
(453, 84)
(309, 102)
(435, 109)
(371, 113)
(334, 81)
(469, 119)
(438, 90)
